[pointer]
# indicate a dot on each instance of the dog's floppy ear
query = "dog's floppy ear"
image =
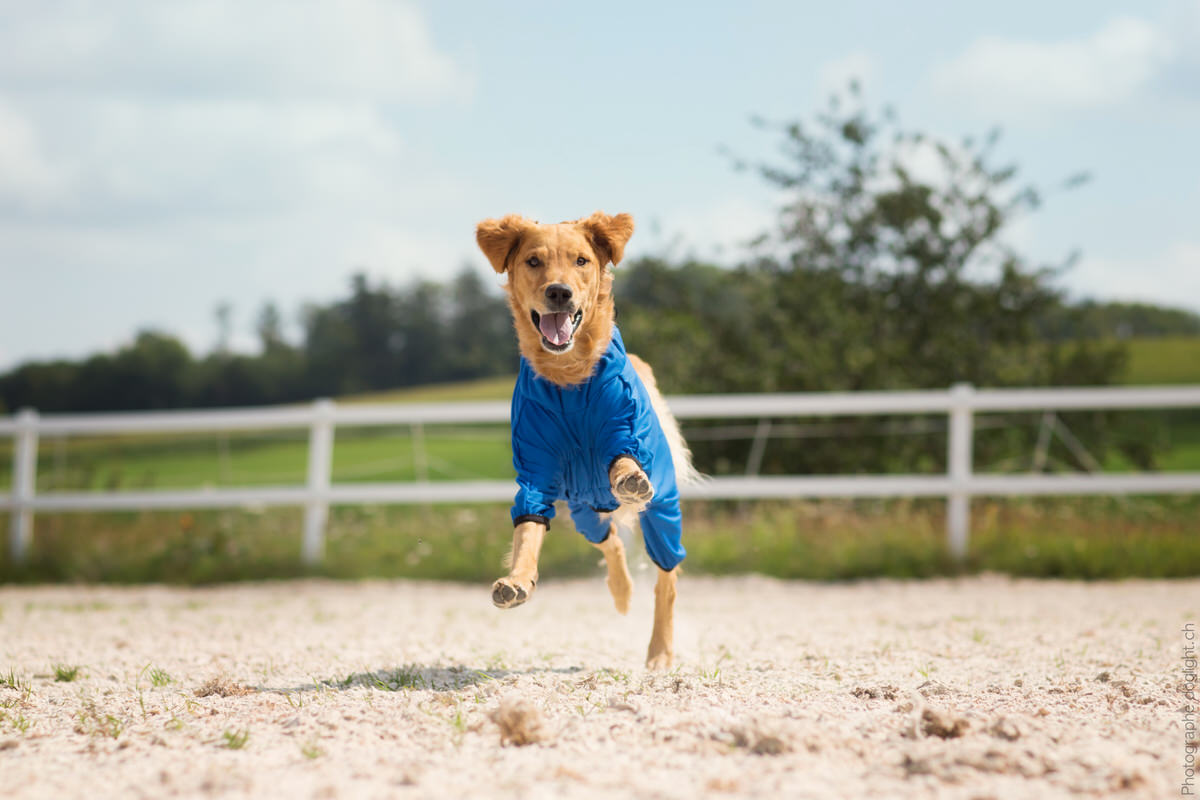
(497, 238)
(609, 233)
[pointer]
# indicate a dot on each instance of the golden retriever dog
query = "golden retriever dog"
(588, 423)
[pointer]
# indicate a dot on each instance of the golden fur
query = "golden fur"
(576, 255)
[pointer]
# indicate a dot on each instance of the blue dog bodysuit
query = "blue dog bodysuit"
(565, 439)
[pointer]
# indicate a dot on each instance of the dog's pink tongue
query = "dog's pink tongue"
(556, 327)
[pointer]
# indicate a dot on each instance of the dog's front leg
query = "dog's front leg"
(661, 654)
(518, 585)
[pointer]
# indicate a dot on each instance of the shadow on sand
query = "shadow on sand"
(417, 676)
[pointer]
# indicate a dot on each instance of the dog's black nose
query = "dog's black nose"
(558, 294)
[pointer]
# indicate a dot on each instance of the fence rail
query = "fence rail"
(961, 402)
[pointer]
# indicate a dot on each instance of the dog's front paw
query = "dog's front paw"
(510, 593)
(630, 485)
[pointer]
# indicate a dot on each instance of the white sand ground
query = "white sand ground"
(388, 689)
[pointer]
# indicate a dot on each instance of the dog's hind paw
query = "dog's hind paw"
(661, 661)
(508, 593)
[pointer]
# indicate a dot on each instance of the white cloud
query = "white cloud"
(1102, 69)
(218, 157)
(719, 231)
(27, 175)
(278, 48)
(149, 110)
(391, 252)
(1170, 277)
(834, 76)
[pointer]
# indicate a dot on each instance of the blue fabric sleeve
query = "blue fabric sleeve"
(532, 504)
(616, 413)
(589, 522)
(538, 472)
(662, 534)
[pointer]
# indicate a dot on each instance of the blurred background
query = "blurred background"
(207, 204)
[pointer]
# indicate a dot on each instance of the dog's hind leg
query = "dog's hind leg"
(620, 584)
(661, 654)
(518, 586)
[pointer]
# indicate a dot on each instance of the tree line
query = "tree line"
(705, 327)
(378, 337)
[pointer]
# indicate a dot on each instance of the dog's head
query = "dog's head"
(559, 286)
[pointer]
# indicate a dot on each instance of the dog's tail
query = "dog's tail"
(685, 473)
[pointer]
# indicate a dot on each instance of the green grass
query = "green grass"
(158, 677)
(64, 673)
(1096, 537)
(14, 681)
(1163, 360)
(235, 739)
(92, 721)
(1079, 538)
(498, 388)
(279, 457)
(271, 458)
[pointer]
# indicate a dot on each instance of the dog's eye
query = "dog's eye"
(579, 262)
(533, 261)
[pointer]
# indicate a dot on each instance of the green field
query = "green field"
(1163, 361)
(825, 540)
(279, 457)
(482, 389)
(271, 458)
(1088, 537)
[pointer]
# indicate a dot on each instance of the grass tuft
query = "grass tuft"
(158, 677)
(12, 681)
(65, 674)
(235, 739)
(91, 721)
(20, 723)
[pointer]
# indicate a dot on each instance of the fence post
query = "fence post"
(958, 502)
(320, 464)
(24, 485)
(420, 456)
(758, 448)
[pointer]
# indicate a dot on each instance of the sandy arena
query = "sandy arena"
(976, 688)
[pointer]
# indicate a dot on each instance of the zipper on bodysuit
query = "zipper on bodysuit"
(583, 458)
(572, 441)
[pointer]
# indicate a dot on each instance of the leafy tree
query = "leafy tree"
(877, 276)
(479, 326)
(928, 292)
(269, 328)
(224, 316)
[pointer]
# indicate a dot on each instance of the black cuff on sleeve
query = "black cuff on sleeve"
(625, 455)
(532, 518)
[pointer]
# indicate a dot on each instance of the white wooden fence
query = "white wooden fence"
(957, 485)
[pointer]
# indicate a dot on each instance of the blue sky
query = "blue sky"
(157, 159)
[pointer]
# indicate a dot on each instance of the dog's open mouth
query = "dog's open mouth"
(557, 329)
